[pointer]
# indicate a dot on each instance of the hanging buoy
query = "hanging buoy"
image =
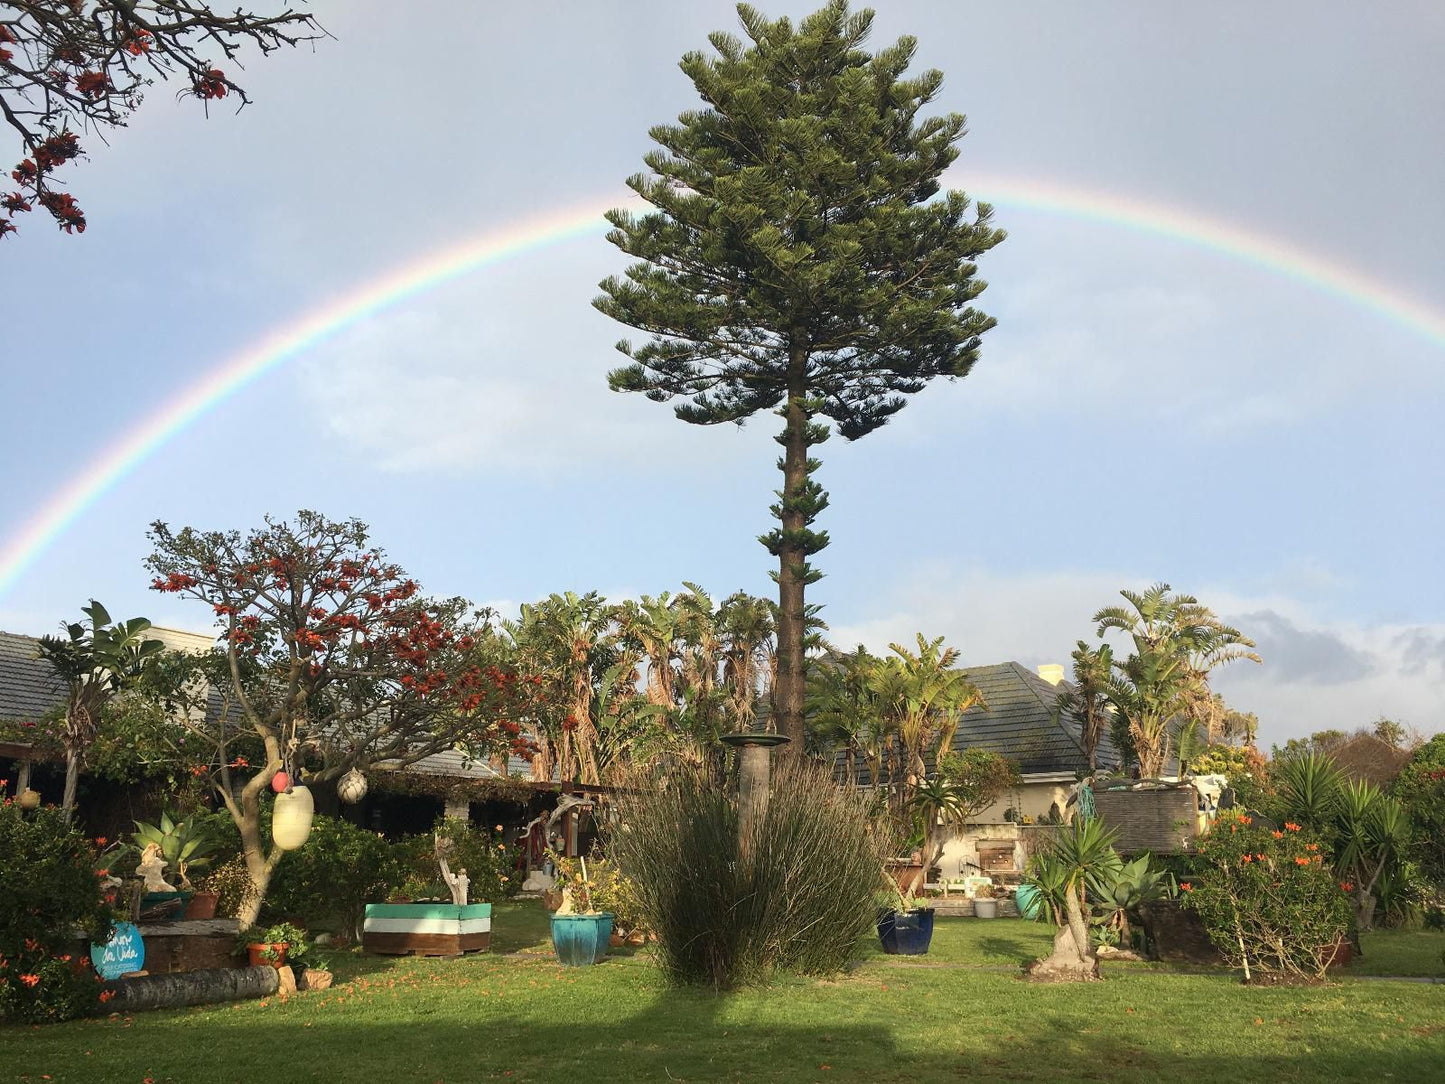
(351, 787)
(29, 799)
(291, 818)
(280, 781)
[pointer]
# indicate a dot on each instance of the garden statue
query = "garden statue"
(458, 882)
(149, 869)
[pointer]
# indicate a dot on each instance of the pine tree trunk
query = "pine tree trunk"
(788, 695)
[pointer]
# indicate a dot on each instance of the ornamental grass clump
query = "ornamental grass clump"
(1269, 899)
(797, 897)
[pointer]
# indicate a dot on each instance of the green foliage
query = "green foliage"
(1268, 899)
(1309, 791)
(1420, 787)
(979, 777)
(271, 939)
(796, 898)
(1247, 771)
(604, 887)
(185, 845)
(488, 861)
(334, 874)
(50, 891)
(1126, 887)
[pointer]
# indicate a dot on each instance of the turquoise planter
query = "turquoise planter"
(581, 940)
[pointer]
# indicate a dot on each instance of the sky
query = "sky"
(1148, 407)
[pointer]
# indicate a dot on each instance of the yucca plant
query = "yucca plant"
(1374, 833)
(1080, 860)
(1309, 790)
(185, 844)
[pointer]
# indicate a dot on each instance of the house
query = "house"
(400, 800)
(1019, 719)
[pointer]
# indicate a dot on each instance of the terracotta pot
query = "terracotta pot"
(637, 937)
(616, 940)
(253, 952)
(203, 905)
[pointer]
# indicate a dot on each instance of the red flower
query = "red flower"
(1292, 826)
(212, 84)
(138, 42)
(1185, 886)
(30, 980)
(1277, 834)
(1347, 886)
(106, 995)
(1301, 861)
(93, 84)
(100, 841)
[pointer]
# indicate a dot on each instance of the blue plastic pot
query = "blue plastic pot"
(906, 933)
(580, 940)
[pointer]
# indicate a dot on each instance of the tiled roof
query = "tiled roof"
(1020, 720)
(28, 685)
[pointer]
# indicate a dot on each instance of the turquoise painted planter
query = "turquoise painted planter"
(427, 929)
(581, 940)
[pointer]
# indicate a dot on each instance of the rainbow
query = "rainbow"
(492, 246)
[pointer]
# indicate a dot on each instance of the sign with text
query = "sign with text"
(123, 953)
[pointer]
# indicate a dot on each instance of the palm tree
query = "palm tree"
(95, 662)
(747, 628)
(650, 626)
(1088, 699)
(844, 710)
(1177, 642)
(567, 640)
(923, 698)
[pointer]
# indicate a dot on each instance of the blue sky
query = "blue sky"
(1145, 409)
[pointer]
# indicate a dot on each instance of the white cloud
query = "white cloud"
(1316, 673)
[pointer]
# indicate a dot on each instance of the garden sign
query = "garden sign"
(123, 953)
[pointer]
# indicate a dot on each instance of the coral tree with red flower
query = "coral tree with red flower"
(331, 657)
(83, 64)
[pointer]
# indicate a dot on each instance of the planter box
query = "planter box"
(427, 929)
(905, 933)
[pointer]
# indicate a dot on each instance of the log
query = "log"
(192, 988)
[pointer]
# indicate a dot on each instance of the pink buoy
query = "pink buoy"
(280, 781)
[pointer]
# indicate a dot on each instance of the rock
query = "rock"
(1111, 952)
(323, 939)
(314, 979)
(286, 981)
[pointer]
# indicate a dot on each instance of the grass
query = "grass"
(957, 1014)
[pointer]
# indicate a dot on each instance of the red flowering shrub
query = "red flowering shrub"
(51, 887)
(1269, 900)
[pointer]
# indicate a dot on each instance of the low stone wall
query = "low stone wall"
(962, 907)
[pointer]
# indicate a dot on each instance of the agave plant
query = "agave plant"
(1130, 885)
(185, 844)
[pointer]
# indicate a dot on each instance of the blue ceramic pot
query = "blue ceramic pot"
(906, 933)
(580, 940)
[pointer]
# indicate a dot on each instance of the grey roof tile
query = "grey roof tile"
(28, 686)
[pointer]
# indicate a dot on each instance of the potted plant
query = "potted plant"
(276, 945)
(315, 975)
(984, 903)
(185, 845)
(580, 937)
(904, 929)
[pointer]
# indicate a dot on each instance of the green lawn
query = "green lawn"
(958, 1014)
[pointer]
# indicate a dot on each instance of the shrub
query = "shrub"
(1268, 899)
(334, 875)
(798, 898)
(51, 887)
(1420, 787)
(481, 852)
(229, 881)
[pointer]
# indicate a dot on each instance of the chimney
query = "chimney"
(1051, 672)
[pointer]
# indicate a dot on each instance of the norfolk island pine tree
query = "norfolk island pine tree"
(800, 259)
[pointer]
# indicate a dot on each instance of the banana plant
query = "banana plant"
(185, 844)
